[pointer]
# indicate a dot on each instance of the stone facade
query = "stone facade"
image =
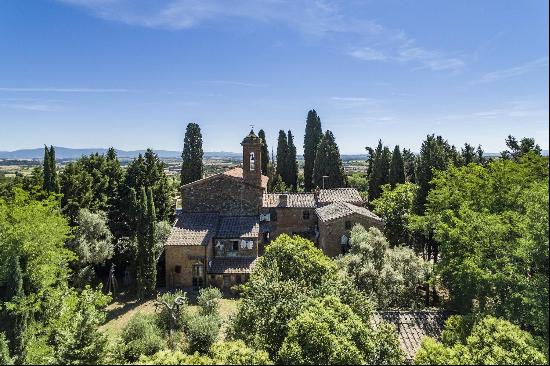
(331, 232)
(223, 194)
(227, 219)
(179, 265)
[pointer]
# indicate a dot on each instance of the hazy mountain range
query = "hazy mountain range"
(68, 154)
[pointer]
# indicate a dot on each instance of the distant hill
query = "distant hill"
(63, 153)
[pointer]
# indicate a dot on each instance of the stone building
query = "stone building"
(227, 219)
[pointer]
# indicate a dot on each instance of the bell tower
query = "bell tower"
(252, 159)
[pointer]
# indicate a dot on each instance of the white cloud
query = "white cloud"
(38, 107)
(367, 40)
(512, 72)
(66, 90)
(234, 83)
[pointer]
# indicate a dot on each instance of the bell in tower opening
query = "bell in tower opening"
(252, 156)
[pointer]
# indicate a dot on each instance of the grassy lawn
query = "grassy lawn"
(122, 309)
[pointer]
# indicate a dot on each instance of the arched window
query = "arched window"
(252, 162)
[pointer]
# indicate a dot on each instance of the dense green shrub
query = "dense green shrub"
(141, 336)
(202, 332)
(209, 300)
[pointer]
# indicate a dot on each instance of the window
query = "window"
(252, 162)
(235, 245)
(198, 275)
(239, 279)
(348, 225)
(177, 269)
(305, 215)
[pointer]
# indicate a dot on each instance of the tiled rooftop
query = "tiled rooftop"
(193, 229)
(234, 173)
(296, 200)
(337, 210)
(351, 195)
(238, 227)
(413, 326)
(227, 265)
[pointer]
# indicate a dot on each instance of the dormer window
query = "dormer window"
(252, 162)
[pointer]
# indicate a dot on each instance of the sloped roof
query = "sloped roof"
(193, 229)
(338, 210)
(238, 227)
(227, 265)
(413, 326)
(327, 196)
(293, 200)
(235, 173)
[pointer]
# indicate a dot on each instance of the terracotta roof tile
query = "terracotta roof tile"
(413, 326)
(239, 227)
(351, 195)
(226, 265)
(296, 200)
(338, 210)
(193, 229)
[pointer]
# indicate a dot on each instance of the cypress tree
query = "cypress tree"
(433, 155)
(47, 170)
(409, 160)
(379, 173)
(17, 318)
(54, 184)
(141, 252)
(192, 155)
(328, 163)
(151, 259)
(292, 164)
(282, 157)
(397, 167)
(265, 153)
(312, 137)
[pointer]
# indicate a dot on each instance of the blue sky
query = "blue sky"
(133, 73)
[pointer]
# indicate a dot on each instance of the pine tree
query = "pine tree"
(292, 163)
(328, 163)
(397, 167)
(312, 137)
(192, 155)
(282, 157)
(47, 170)
(265, 153)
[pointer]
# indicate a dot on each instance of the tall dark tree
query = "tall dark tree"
(192, 155)
(516, 148)
(151, 259)
(409, 160)
(47, 170)
(54, 184)
(51, 182)
(380, 171)
(142, 243)
(265, 153)
(16, 319)
(328, 163)
(282, 168)
(397, 167)
(468, 154)
(292, 163)
(312, 137)
(433, 155)
(114, 175)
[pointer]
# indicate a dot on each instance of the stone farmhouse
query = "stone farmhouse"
(228, 219)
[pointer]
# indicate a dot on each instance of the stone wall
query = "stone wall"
(222, 194)
(330, 233)
(186, 257)
(290, 220)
